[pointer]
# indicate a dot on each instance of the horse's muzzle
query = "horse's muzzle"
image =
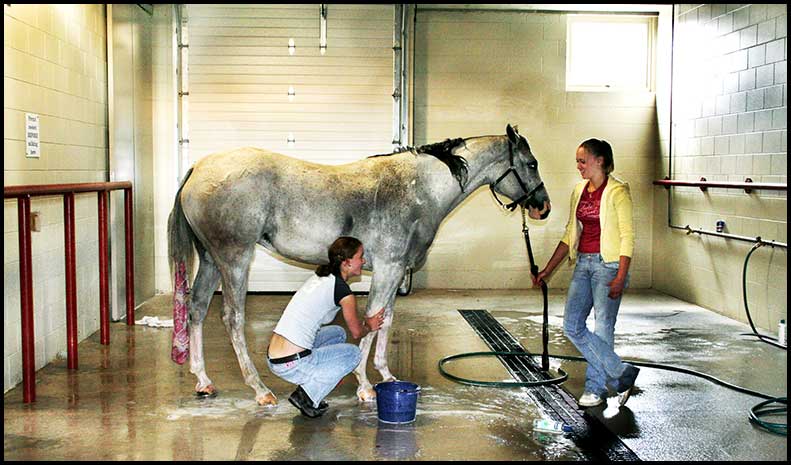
(539, 213)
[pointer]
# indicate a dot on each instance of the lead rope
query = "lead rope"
(544, 355)
(534, 272)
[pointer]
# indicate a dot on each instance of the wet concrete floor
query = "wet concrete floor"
(128, 401)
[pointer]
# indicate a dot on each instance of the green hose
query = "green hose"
(767, 339)
(658, 366)
(503, 384)
(758, 410)
(763, 408)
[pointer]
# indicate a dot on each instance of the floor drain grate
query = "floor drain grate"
(590, 435)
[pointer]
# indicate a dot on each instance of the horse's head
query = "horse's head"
(521, 181)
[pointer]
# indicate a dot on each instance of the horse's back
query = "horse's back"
(289, 205)
(276, 174)
(247, 172)
(221, 168)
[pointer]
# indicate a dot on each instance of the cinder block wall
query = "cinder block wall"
(730, 97)
(55, 66)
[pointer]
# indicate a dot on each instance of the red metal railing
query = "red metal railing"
(748, 185)
(23, 194)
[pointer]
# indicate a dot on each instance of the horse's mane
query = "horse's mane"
(443, 151)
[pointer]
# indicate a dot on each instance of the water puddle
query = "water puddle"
(225, 406)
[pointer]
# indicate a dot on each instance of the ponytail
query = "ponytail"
(342, 249)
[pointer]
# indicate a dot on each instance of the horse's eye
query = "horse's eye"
(532, 165)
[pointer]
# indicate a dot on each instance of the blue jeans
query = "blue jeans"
(318, 373)
(589, 289)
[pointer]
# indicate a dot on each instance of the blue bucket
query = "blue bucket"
(396, 401)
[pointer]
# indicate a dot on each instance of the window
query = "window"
(610, 53)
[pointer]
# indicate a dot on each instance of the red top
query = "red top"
(588, 215)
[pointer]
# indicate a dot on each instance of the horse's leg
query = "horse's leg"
(383, 289)
(365, 392)
(234, 287)
(382, 338)
(206, 282)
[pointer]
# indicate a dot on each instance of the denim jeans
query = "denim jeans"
(318, 373)
(589, 289)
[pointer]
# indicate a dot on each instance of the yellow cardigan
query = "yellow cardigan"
(615, 216)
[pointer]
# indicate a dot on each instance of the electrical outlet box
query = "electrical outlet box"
(35, 221)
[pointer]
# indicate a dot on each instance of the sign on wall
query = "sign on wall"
(32, 148)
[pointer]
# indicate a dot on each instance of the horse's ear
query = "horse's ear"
(513, 135)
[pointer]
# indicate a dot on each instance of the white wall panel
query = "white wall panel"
(240, 71)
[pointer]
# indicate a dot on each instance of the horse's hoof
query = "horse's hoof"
(267, 400)
(209, 392)
(366, 395)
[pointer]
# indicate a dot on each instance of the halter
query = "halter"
(527, 193)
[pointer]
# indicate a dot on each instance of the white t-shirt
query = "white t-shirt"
(315, 304)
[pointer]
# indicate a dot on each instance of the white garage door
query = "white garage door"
(240, 74)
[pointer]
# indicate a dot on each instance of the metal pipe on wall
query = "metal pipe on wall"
(756, 239)
(406, 81)
(398, 81)
(179, 50)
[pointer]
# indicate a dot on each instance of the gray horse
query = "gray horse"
(230, 201)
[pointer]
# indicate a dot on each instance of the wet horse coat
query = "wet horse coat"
(231, 201)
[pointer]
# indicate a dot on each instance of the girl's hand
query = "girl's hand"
(376, 321)
(539, 278)
(616, 287)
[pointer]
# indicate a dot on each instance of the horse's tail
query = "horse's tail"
(180, 257)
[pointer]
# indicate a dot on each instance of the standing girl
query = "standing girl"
(600, 238)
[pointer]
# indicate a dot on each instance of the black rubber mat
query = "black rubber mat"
(593, 438)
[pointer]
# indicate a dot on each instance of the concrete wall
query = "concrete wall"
(476, 71)
(730, 96)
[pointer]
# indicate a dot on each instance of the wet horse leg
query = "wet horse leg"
(382, 338)
(365, 392)
(206, 282)
(234, 280)
(383, 289)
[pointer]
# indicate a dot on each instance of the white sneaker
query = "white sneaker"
(590, 399)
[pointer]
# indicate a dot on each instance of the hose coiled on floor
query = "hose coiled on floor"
(764, 408)
(767, 339)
